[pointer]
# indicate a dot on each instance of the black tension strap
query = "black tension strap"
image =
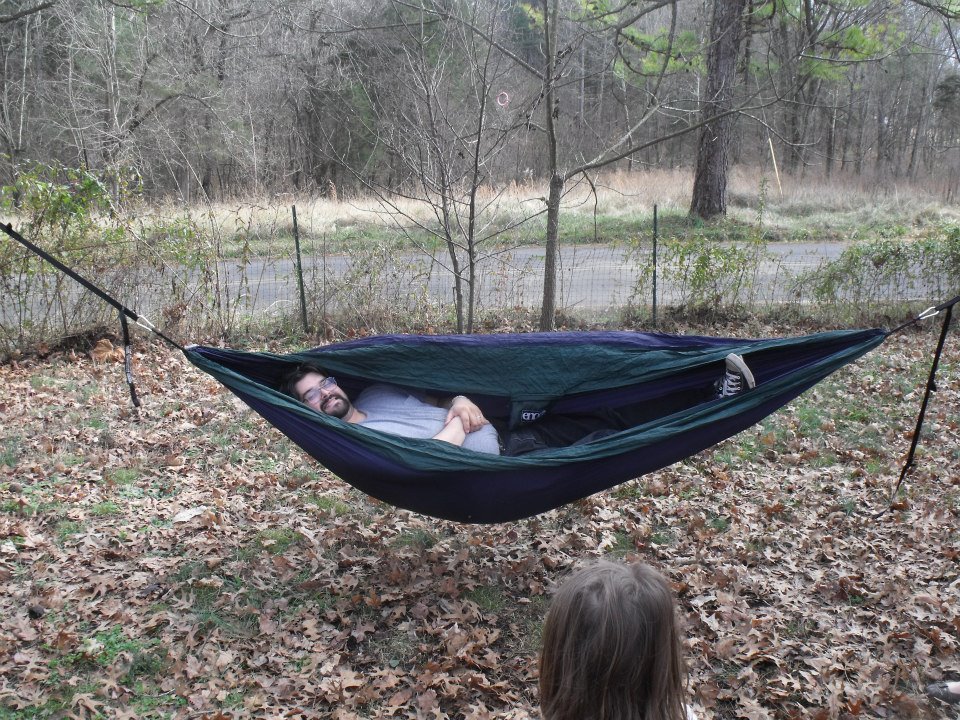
(125, 312)
(931, 380)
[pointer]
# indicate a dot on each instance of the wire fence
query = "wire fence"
(229, 289)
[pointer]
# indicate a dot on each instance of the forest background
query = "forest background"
(221, 100)
(463, 128)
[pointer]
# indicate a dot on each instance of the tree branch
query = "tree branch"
(13, 17)
(948, 9)
(605, 159)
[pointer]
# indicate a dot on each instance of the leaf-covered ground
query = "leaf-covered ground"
(191, 562)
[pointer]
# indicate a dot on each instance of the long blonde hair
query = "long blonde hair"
(611, 649)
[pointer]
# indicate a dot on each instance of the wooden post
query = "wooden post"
(776, 172)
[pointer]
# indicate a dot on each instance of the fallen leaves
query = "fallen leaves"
(192, 563)
(103, 351)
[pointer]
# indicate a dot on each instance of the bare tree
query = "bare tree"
(557, 75)
(429, 100)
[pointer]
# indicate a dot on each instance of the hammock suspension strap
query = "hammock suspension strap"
(124, 311)
(930, 312)
(931, 382)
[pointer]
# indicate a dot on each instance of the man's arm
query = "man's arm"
(462, 407)
(452, 432)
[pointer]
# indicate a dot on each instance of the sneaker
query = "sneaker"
(736, 378)
(942, 691)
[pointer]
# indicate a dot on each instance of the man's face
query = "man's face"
(322, 394)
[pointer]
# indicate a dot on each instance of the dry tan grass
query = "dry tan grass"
(806, 197)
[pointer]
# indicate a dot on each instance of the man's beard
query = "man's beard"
(335, 406)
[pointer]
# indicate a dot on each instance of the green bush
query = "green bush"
(887, 271)
(70, 214)
(704, 274)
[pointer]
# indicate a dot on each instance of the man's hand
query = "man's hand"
(470, 415)
(452, 432)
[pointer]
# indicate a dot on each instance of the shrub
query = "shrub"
(704, 275)
(69, 213)
(888, 271)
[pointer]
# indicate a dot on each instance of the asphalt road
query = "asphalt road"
(589, 277)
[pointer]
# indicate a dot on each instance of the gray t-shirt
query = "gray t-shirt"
(395, 411)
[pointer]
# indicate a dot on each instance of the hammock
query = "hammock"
(509, 375)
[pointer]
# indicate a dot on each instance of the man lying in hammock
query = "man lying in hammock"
(458, 420)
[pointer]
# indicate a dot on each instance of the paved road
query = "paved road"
(590, 276)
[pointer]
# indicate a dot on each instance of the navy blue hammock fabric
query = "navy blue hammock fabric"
(510, 376)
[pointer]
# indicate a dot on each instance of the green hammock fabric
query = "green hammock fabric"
(508, 375)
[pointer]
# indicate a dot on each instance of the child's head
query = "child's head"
(611, 649)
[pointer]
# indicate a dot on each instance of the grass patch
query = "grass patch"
(277, 541)
(10, 451)
(662, 536)
(204, 601)
(810, 419)
(800, 628)
(301, 476)
(622, 546)
(148, 703)
(105, 509)
(328, 504)
(122, 476)
(823, 460)
(41, 382)
(727, 454)
(718, 523)
(191, 569)
(18, 506)
(233, 700)
(489, 598)
(847, 505)
(264, 464)
(66, 529)
(223, 440)
(630, 490)
(418, 538)
(530, 625)
(96, 422)
(146, 657)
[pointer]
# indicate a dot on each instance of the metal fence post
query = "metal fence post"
(654, 265)
(303, 297)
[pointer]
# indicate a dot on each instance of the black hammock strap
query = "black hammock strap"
(931, 381)
(124, 311)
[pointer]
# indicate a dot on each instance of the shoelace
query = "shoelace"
(732, 384)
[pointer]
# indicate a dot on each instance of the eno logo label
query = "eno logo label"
(531, 415)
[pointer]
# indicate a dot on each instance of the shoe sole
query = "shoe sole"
(741, 366)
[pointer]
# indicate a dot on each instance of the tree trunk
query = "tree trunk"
(549, 307)
(919, 128)
(713, 151)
